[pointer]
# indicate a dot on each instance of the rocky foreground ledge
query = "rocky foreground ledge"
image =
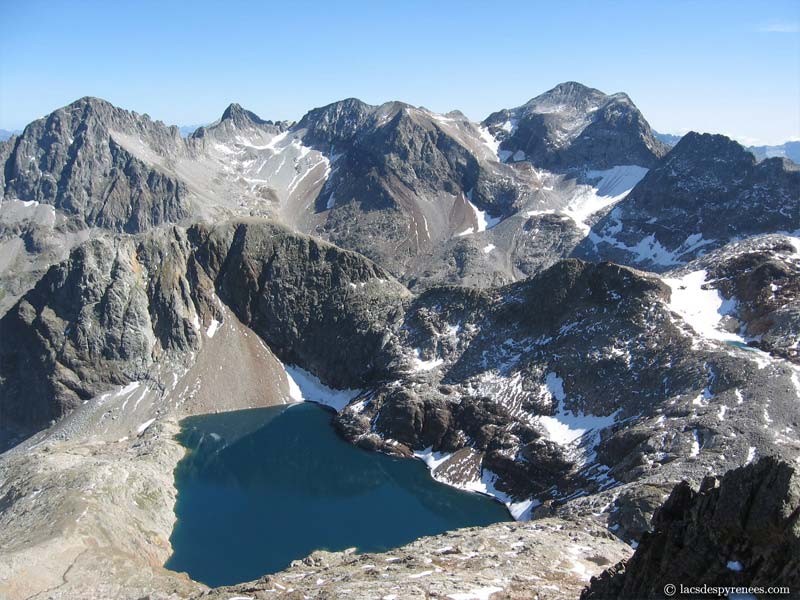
(549, 559)
(740, 530)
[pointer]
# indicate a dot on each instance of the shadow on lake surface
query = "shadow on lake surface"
(260, 488)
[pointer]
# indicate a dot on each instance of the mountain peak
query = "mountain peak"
(567, 94)
(335, 123)
(91, 103)
(572, 88)
(708, 147)
(240, 115)
(88, 101)
(574, 126)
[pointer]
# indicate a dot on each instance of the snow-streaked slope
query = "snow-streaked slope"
(604, 189)
(253, 171)
(704, 309)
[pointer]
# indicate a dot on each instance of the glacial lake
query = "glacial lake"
(260, 488)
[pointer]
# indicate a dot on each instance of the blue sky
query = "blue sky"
(730, 67)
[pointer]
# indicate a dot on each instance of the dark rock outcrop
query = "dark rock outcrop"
(314, 304)
(762, 278)
(576, 127)
(739, 530)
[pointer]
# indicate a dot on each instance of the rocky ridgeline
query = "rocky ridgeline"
(740, 530)
(431, 198)
(707, 192)
(404, 178)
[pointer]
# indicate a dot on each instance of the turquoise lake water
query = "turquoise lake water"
(260, 488)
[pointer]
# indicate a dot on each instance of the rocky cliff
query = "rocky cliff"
(71, 161)
(736, 531)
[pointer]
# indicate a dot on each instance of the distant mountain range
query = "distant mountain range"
(5, 134)
(790, 150)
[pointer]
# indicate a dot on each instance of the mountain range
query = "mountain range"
(790, 150)
(553, 306)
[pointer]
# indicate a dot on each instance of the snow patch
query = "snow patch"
(418, 364)
(607, 188)
(695, 450)
(306, 387)
(701, 308)
(520, 510)
(482, 220)
(431, 458)
(510, 125)
(483, 593)
(144, 426)
(564, 427)
(491, 143)
(212, 328)
(128, 388)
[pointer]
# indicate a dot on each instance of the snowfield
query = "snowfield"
(306, 387)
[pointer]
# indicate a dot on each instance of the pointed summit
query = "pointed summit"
(335, 123)
(569, 93)
(241, 116)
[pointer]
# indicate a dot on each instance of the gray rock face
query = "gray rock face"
(402, 179)
(115, 307)
(314, 304)
(706, 192)
(543, 240)
(70, 160)
(740, 530)
(336, 124)
(99, 319)
(575, 127)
